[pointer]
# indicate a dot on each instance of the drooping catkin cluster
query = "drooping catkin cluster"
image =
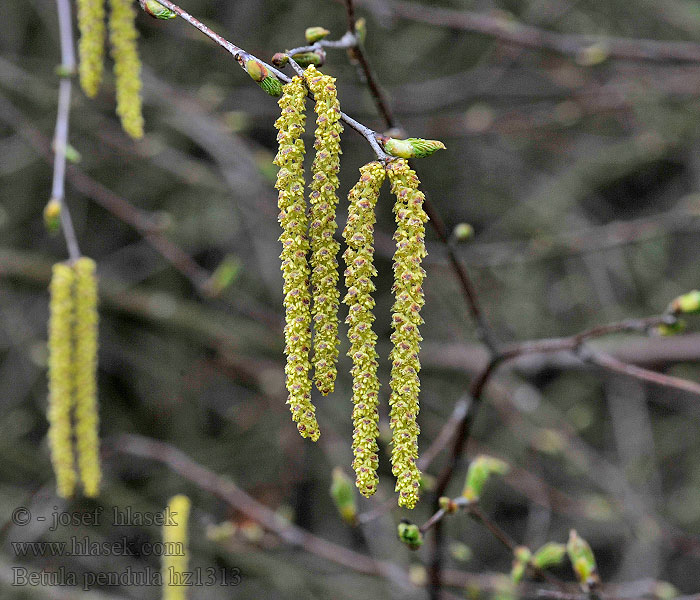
(91, 22)
(295, 247)
(406, 319)
(359, 236)
(175, 540)
(127, 65)
(301, 235)
(324, 249)
(72, 377)
(124, 51)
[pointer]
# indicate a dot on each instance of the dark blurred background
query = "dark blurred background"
(579, 175)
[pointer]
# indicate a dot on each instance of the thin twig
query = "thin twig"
(527, 36)
(60, 140)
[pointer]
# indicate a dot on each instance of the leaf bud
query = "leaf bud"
(412, 147)
(479, 472)
(52, 215)
(157, 10)
(314, 34)
(343, 494)
(410, 535)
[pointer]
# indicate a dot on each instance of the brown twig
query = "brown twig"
(527, 36)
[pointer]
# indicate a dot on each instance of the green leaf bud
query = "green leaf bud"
(479, 472)
(52, 216)
(668, 329)
(549, 555)
(271, 85)
(280, 59)
(157, 10)
(582, 560)
(361, 30)
(314, 34)
(410, 534)
(304, 59)
(687, 303)
(412, 147)
(343, 494)
(224, 275)
(463, 232)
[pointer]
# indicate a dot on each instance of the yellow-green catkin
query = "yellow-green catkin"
(174, 565)
(127, 65)
(295, 247)
(85, 375)
(359, 236)
(61, 378)
(408, 292)
(91, 22)
(324, 249)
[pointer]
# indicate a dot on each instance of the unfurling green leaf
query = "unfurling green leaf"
(410, 535)
(343, 494)
(479, 471)
(412, 147)
(314, 34)
(157, 10)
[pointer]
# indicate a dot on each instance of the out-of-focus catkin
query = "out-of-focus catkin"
(91, 22)
(324, 249)
(85, 375)
(408, 292)
(359, 236)
(175, 540)
(61, 378)
(295, 247)
(127, 65)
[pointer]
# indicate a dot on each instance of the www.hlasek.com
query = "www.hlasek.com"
(85, 547)
(62, 577)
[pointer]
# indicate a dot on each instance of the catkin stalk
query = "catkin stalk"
(408, 293)
(359, 236)
(295, 247)
(324, 248)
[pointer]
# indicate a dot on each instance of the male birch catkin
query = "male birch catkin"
(323, 199)
(295, 247)
(408, 292)
(72, 377)
(61, 378)
(127, 65)
(175, 539)
(359, 236)
(85, 375)
(91, 22)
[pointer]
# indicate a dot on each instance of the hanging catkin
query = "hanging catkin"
(175, 558)
(127, 65)
(324, 249)
(295, 247)
(91, 22)
(359, 236)
(61, 378)
(72, 377)
(85, 375)
(408, 292)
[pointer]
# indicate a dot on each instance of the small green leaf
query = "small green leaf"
(582, 559)
(224, 275)
(304, 59)
(343, 494)
(479, 472)
(549, 555)
(412, 147)
(686, 304)
(271, 85)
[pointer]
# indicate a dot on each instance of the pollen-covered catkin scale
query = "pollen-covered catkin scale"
(91, 22)
(127, 65)
(408, 293)
(61, 378)
(295, 246)
(324, 249)
(85, 375)
(359, 236)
